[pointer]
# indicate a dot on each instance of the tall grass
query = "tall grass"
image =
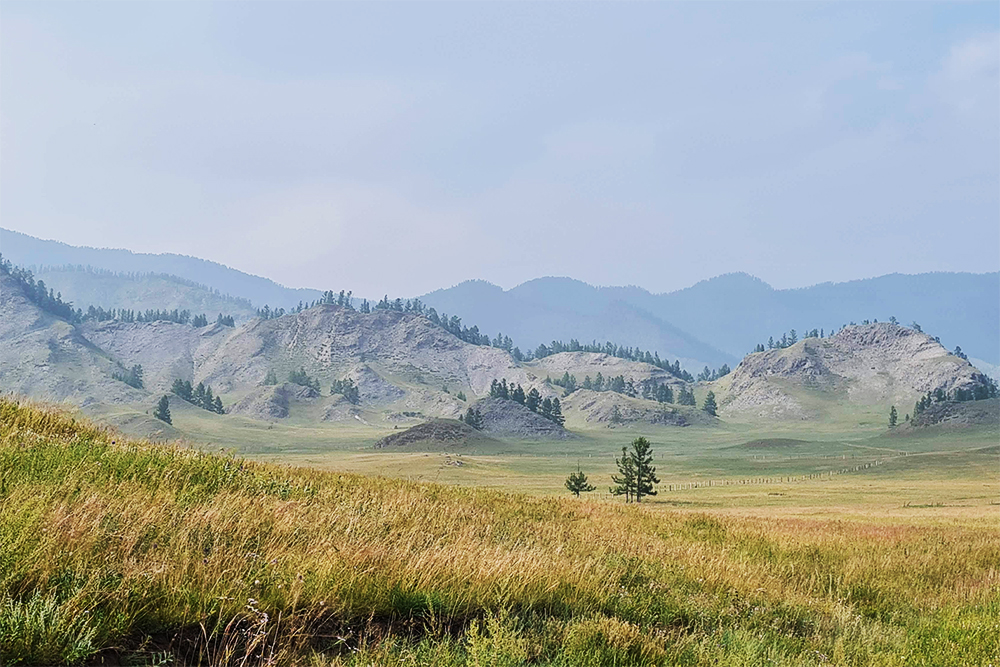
(166, 555)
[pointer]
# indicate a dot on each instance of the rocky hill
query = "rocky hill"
(868, 365)
(152, 291)
(508, 419)
(404, 369)
(583, 364)
(435, 434)
(47, 358)
(610, 409)
(952, 414)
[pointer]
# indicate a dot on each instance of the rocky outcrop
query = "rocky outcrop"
(608, 408)
(271, 402)
(509, 419)
(951, 414)
(872, 364)
(47, 358)
(436, 433)
(582, 364)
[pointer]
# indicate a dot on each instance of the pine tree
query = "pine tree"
(208, 401)
(557, 415)
(271, 378)
(474, 418)
(178, 387)
(218, 406)
(645, 473)
(624, 481)
(710, 407)
(532, 400)
(893, 416)
(162, 411)
(198, 395)
(577, 483)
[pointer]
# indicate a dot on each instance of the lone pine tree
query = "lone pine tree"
(577, 483)
(710, 406)
(162, 411)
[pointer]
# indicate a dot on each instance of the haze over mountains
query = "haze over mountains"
(712, 322)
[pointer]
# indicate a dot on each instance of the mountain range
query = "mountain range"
(713, 322)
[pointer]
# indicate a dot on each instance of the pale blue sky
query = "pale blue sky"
(402, 147)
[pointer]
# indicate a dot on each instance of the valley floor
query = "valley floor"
(882, 550)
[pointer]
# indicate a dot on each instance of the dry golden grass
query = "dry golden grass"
(119, 546)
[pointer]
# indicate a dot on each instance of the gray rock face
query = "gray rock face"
(166, 351)
(870, 364)
(510, 419)
(265, 403)
(608, 408)
(436, 433)
(582, 364)
(373, 389)
(46, 358)
(271, 402)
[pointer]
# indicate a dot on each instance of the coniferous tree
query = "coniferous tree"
(709, 406)
(347, 389)
(645, 472)
(271, 378)
(474, 418)
(893, 416)
(532, 399)
(624, 481)
(577, 483)
(685, 397)
(300, 377)
(218, 406)
(557, 415)
(199, 394)
(132, 376)
(162, 411)
(616, 415)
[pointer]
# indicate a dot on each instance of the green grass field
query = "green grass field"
(122, 552)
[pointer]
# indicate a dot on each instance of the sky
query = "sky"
(399, 148)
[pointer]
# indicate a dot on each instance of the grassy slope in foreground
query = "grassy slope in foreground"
(136, 549)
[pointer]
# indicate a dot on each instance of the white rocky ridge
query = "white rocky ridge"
(873, 364)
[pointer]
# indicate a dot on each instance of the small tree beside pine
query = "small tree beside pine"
(577, 483)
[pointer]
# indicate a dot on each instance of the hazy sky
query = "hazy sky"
(403, 147)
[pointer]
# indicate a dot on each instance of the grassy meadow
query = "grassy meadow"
(115, 551)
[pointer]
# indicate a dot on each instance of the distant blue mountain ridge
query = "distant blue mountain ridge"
(713, 322)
